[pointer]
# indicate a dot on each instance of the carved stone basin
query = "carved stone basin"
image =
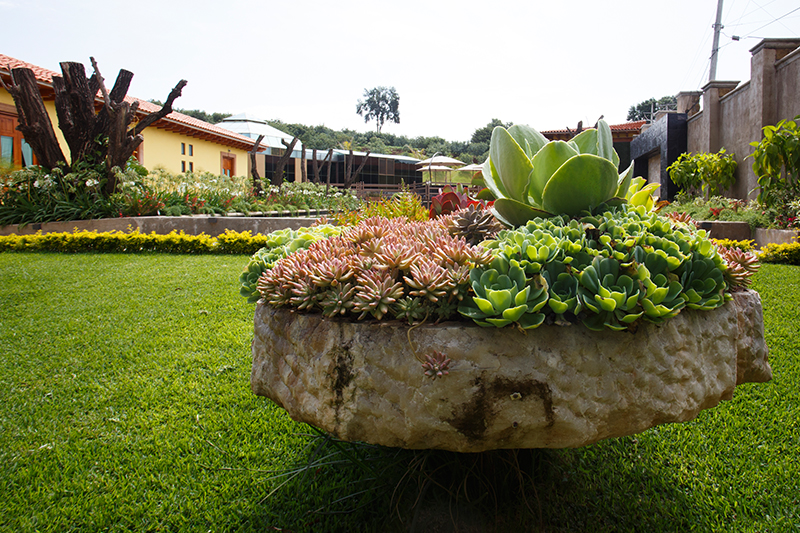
(555, 387)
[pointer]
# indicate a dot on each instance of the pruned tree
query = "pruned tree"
(277, 176)
(350, 177)
(257, 188)
(380, 104)
(108, 135)
(316, 166)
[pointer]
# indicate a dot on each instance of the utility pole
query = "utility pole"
(712, 71)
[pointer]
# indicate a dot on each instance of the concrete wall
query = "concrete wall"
(732, 118)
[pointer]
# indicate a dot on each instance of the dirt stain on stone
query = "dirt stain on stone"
(472, 418)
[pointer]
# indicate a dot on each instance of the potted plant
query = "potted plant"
(586, 316)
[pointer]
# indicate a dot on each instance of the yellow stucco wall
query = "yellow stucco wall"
(163, 148)
(6, 98)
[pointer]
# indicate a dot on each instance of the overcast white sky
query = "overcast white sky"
(455, 64)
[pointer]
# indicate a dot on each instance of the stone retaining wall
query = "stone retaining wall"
(192, 225)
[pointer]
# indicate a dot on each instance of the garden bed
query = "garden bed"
(553, 387)
(740, 231)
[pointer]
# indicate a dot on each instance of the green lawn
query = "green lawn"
(125, 406)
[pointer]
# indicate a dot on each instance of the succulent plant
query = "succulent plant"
(530, 176)
(474, 225)
(449, 200)
(740, 266)
(378, 268)
(503, 295)
(436, 365)
(610, 293)
(279, 244)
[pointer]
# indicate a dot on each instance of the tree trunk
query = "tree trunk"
(349, 178)
(257, 189)
(92, 137)
(330, 164)
(34, 122)
(277, 177)
(303, 175)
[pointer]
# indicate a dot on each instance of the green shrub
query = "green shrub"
(745, 246)
(776, 162)
(230, 242)
(787, 253)
(711, 173)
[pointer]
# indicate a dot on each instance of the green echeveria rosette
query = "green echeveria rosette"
(611, 294)
(504, 295)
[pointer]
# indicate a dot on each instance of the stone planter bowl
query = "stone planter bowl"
(555, 387)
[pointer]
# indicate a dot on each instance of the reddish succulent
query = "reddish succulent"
(450, 200)
(379, 267)
(741, 266)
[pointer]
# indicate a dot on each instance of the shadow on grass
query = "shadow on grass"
(346, 487)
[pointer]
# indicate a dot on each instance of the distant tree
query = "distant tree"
(380, 104)
(484, 134)
(645, 110)
(211, 118)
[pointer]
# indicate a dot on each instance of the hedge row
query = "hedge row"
(230, 242)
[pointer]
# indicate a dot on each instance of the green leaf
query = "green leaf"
(545, 163)
(528, 138)
(500, 299)
(512, 164)
(517, 213)
(605, 143)
(484, 305)
(586, 141)
(583, 182)
(498, 322)
(515, 313)
(531, 320)
(492, 180)
(624, 182)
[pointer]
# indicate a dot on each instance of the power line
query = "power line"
(774, 21)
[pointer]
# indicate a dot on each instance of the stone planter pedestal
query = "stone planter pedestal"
(555, 387)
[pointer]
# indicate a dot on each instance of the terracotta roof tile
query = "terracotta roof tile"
(633, 127)
(42, 74)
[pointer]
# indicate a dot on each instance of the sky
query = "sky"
(455, 65)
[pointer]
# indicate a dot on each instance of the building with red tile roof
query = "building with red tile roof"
(177, 142)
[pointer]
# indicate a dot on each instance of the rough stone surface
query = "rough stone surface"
(555, 387)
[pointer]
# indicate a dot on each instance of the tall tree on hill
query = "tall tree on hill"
(380, 104)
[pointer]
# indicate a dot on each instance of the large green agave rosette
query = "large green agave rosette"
(531, 177)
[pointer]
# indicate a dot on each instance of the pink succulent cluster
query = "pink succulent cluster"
(379, 267)
(741, 266)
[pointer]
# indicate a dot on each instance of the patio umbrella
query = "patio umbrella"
(441, 160)
(434, 168)
(471, 168)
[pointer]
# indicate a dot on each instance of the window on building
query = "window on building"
(191, 165)
(6, 150)
(191, 149)
(183, 166)
(183, 148)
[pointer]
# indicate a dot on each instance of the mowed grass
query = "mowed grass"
(125, 406)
